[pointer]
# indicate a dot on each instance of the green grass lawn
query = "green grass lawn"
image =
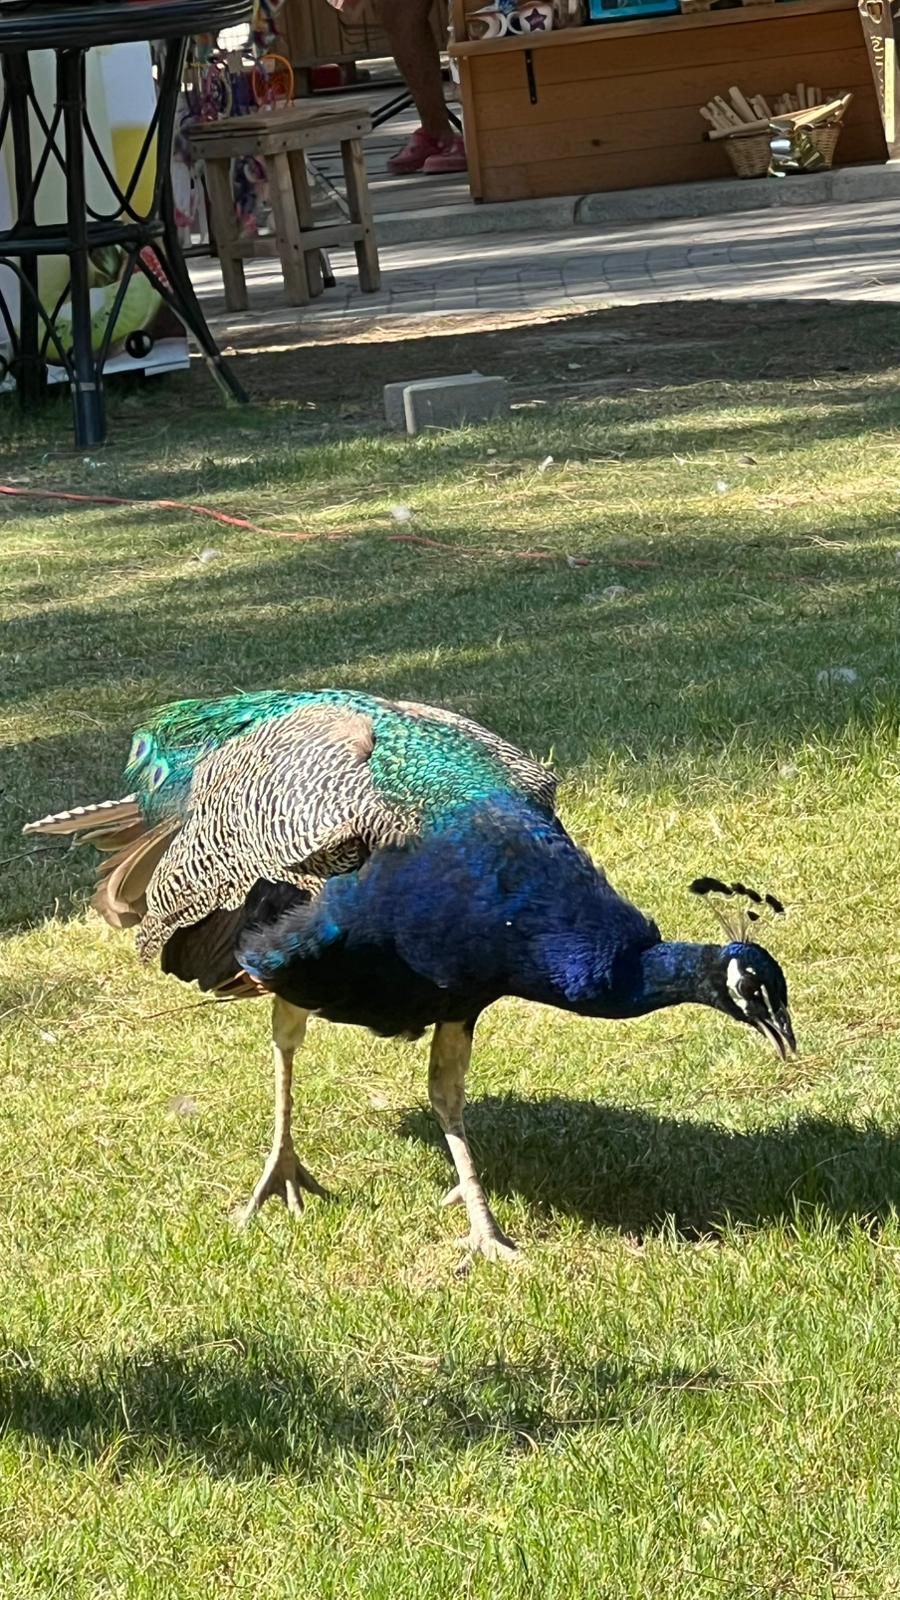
(690, 1386)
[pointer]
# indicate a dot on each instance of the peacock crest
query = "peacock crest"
(740, 923)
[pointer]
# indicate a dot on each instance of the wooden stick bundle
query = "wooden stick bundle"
(752, 113)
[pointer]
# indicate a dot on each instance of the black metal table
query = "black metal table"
(399, 103)
(71, 30)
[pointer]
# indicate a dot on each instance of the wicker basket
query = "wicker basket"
(751, 153)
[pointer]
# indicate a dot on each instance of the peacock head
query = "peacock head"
(749, 985)
(746, 982)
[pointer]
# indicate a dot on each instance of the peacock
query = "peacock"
(392, 865)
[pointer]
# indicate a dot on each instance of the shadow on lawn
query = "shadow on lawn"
(716, 636)
(638, 368)
(241, 1412)
(616, 1167)
(705, 645)
(560, 356)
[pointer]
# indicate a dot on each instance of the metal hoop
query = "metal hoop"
(266, 81)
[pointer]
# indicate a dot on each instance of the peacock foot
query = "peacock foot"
(284, 1177)
(492, 1244)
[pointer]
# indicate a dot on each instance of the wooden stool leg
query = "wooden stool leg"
(287, 231)
(360, 208)
(224, 229)
(303, 203)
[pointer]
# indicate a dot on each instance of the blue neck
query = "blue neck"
(675, 973)
(665, 974)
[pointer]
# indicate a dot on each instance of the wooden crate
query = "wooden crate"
(614, 106)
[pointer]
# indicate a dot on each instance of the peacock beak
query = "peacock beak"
(778, 1030)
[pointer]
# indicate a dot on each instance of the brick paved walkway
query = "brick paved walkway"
(829, 252)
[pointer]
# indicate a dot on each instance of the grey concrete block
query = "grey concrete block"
(394, 393)
(393, 404)
(445, 402)
(448, 402)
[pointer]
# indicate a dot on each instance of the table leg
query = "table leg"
(224, 224)
(287, 231)
(304, 206)
(87, 380)
(184, 301)
(360, 207)
(30, 369)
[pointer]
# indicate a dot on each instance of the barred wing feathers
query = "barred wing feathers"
(291, 802)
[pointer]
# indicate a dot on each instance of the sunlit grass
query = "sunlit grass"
(688, 1389)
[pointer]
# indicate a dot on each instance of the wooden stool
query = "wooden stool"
(283, 138)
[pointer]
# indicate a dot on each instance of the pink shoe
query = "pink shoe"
(450, 157)
(415, 153)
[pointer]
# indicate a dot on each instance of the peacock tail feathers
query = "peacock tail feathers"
(123, 881)
(106, 818)
(165, 752)
(117, 828)
(422, 756)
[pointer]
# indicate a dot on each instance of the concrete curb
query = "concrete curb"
(845, 186)
(467, 221)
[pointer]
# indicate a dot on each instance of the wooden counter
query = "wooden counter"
(615, 105)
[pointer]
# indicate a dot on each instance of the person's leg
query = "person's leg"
(435, 146)
(415, 50)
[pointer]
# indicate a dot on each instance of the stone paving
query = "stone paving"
(844, 252)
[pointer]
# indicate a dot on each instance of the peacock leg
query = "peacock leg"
(283, 1174)
(451, 1049)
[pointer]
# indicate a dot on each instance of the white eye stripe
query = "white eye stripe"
(733, 977)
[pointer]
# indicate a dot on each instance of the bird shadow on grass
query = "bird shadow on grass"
(624, 1168)
(237, 1408)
